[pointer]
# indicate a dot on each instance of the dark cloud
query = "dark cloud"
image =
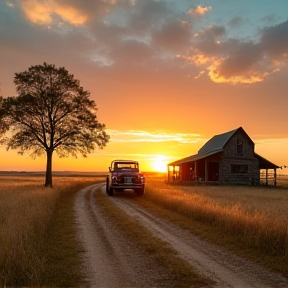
(147, 15)
(131, 52)
(274, 41)
(236, 22)
(243, 61)
(260, 58)
(206, 40)
(173, 36)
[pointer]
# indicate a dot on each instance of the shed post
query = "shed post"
(206, 170)
(174, 174)
(266, 177)
(275, 177)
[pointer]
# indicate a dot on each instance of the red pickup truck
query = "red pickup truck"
(124, 174)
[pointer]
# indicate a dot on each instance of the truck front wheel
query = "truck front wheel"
(107, 184)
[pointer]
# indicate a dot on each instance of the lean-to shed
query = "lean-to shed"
(227, 158)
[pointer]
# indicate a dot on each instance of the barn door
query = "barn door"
(213, 171)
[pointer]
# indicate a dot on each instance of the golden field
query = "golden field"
(27, 209)
(255, 217)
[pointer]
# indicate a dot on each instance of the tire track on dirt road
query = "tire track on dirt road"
(226, 269)
(109, 259)
(97, 265)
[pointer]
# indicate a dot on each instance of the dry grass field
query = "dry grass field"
(254, 217)
(28, 221)
(37, 231)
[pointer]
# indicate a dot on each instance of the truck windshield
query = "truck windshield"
(126, 166)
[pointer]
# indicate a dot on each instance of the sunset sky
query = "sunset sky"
(166, 75)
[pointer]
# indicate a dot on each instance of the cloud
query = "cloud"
(126, 136)
(243, 66)
(173, 35)
(199, 10)
(148, 33)
(235, 61)
(131, 51)
(73, 12)
(149, 14)
(71, 15)
(212, 32)
(38, 12)
(274, 41)
(236, 22)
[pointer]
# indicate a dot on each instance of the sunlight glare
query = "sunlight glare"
(159, 163)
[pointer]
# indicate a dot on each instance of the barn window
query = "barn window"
(239, 168)
(239, 147)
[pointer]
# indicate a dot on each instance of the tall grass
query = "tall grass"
(26, 211)
(256, 216)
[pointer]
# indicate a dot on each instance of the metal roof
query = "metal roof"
(264, 163)
(193, 158)
(218, 141)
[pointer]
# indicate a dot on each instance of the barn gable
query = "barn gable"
(218, 142)
(225, 158)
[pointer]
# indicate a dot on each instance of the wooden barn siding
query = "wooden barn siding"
(225, 175)
(230, 157)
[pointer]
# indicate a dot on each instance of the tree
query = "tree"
(4, 126)
(52, 112)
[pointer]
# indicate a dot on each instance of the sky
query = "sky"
(166, 75)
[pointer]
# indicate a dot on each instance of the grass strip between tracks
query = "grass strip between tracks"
(181, 273)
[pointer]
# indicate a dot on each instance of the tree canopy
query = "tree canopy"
(52, 112)
(3, 121)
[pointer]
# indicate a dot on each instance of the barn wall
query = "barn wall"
(238, 165)
(230, 149)
(227, 175)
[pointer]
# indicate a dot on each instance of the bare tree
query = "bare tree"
(52, 112)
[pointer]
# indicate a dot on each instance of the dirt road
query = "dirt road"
(109, 261)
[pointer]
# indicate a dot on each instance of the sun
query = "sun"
(159, 163)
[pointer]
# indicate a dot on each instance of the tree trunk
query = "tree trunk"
(48, 180)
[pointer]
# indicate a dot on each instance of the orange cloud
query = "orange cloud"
(199, 10)
(37, 12)
(128, 136)
(70, 15)
(42, 13)
(248, 78)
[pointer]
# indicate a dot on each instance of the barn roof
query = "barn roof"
(193, 158)
(215, 145)
(218, 141)
(264, 163)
